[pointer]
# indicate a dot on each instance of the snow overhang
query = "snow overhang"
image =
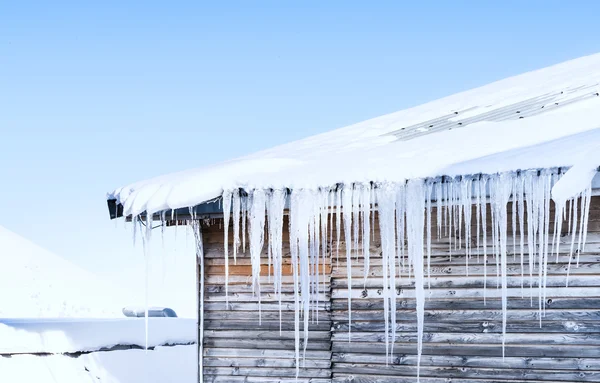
(539, 120)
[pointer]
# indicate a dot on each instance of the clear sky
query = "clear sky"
(94, 95)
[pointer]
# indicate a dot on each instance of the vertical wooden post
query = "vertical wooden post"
(200, 295)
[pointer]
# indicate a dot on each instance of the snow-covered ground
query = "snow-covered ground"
(97, 350)
(61, 323)
(164, 364)
(36, 336)
(39, 284)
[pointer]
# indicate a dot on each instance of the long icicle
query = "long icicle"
(257, 233)
(483, 193)
(236, 224)
(415, 212)
(428, 191)
(275, 227)
(366, 230)
(227, 195)
(338, 225)
(386, 198)
(347, 213)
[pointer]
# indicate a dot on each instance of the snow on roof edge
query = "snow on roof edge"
(297, 164)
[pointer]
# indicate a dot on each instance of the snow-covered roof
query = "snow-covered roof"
(541, 119)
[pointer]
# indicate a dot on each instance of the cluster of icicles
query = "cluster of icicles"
(405, 217)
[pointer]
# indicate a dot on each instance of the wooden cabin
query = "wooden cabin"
(462, 339)
(542, 120)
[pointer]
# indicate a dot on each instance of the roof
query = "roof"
(541, 119)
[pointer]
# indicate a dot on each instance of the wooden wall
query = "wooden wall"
(236, 347)
(462, 341)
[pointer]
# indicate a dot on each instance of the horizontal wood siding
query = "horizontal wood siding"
(239, 349)
(462, 337)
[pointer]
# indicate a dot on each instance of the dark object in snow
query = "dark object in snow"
(140, 312)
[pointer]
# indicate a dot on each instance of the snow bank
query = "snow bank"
(30, 336)
(37, 284)
(371, 150)
(164, 364)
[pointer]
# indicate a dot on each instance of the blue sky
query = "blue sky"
(97, 95)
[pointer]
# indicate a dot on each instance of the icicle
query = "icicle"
(163, 226)
(244, 221)
(226, 216)
(460, 194)
(294, 230)
(146, 250)
(257, 233)
(495, 248)
(415, 209)
(275, 226)
(547, 198)
(331, 209)
(570, 215)
(347, 211)
(521, 212)
(500, 196)
(466, 201)
(582, 222)
(356, 216)
(559, 209)
(386, 195)
(573, 231)
(450, 213)
(514, 216)
(400, 223)
(477, 186)
(531, 227)
(482, 193)
(314, 248)
(438, 200)
(236, 224)
(366, 231)
(304, 220)
(323, 210)
(269, 255)
(338, 224)
(586, 215)
(428, 191)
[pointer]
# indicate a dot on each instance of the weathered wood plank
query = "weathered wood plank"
(265, 362)
(475, 338)
(460, 316)
(472, 361)
(573, 351)
(459, 293)
(258, 379)
(478, 270)
(265, 306)
(476, 327)
(475, 282)
(466, 372)
(313, 344)
(276, 372)
(265, 353)
(355, 378)
(323, 325)
(262, 335)
(466, 303)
